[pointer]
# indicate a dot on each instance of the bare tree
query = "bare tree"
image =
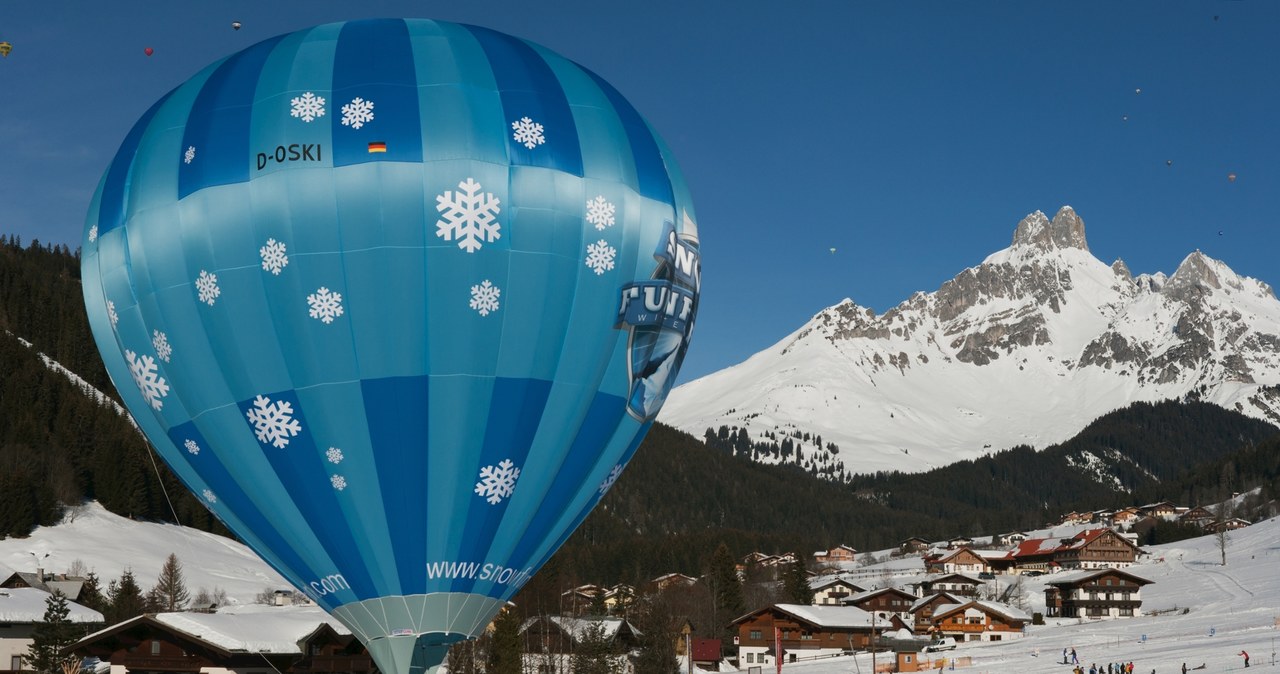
(1221, 535)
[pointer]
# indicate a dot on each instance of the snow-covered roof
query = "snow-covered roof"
(828, 616)
(992, 554)
(247, 629)
(988, 606)
(577, 627)
(951, 598)
(1071, 577)
(27, 605)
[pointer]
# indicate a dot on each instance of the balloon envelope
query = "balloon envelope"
(5, 48)
(398, 299)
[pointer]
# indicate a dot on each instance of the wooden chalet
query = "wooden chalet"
(922, 611)
(1198, 516)
(287, 641)
(841, 554)
(1090, 549)
(806, 632)
(834, 591)
(562, 634)
(913, 545)
(1163, 510)
(978, 621)
(1125, 518)
(957, 584)
(671, 580)
(1097, 593)
(22, 608)
(960, 560)
(1232, 524)
(887, 603)
(1011, 538)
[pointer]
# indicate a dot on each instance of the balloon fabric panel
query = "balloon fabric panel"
(398, 299)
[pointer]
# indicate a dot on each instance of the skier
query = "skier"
(1064, 658)
(1246, 658)
(1074, 659)
(1184, 668)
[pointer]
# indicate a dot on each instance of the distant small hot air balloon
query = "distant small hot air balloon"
(1168, 162)
(235, 25)
(5, 48)
(1231, 177)
(1124, 118)
(1138, 90)
(148, 51)
(833, 251)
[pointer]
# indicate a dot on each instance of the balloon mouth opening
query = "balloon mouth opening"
(410, 652)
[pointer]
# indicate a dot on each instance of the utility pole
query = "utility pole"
(873, 641)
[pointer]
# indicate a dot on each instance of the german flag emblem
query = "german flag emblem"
(377, 146)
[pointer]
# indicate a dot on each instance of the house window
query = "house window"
(755, 634)
(1127, 612)
(995, 637)
(751, 658)
(155, 648)
(15, 662)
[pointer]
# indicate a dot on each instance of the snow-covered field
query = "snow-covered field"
(1208, 613)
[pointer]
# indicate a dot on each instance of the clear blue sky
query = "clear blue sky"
(910, 136)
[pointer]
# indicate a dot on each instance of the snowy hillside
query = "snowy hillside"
(107, 544)
(1026, 348)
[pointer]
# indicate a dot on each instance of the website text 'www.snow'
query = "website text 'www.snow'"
(498, 574)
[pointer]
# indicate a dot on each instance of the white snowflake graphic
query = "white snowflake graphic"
(600, 212)
(192, 446)
(207, 287)
(208, 496)
(497, 482)
(111, 313)
(325, 305)
(93, 234)
(273, 256)
(484, 297)
(273, 421)
(338, 482)
(469, 216)
(307, 106)
(528, 132)
(189, 155)
(600, 256)
(334, 455)
(357, 113)
(608, 481)
(161, 342)
(146, 375)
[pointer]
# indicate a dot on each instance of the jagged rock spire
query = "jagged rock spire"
(1066, 230)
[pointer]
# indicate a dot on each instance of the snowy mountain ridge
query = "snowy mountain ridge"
(1026, 348)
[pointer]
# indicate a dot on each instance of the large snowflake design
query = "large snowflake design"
(326, 305)
(273, 256)
(497, 482)
(608, 481)
(146, 375)
(111, 313)
(528, 132)
(93, 234)
(484, 297)
(357, 113)
(307, 106)
(209, 496)
(192, 446)
(600, 212)
(161, 342)
(190, 155)
(273, 422)
(207, 289)
(338, 482)
(334, 455)
(600, 256)
(469, 216)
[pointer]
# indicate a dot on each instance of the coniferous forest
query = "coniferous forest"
(680, 498)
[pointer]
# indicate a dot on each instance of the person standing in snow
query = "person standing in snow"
(1246, 658)
(1064, 658)
(1184, 668)
(1074, 659)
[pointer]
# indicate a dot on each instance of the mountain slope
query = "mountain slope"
(1024, 349)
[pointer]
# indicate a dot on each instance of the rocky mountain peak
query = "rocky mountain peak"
(1065, 230)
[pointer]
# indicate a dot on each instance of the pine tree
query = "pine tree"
(504, 653)
(170, 592)
(124, 599)
(54, 632)
(795, 583)
(594, 653)
(726, 587)
(657, 631)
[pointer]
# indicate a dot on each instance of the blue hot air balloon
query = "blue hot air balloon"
(398, 299)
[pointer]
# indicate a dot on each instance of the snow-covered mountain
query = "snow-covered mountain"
(1026, 348)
